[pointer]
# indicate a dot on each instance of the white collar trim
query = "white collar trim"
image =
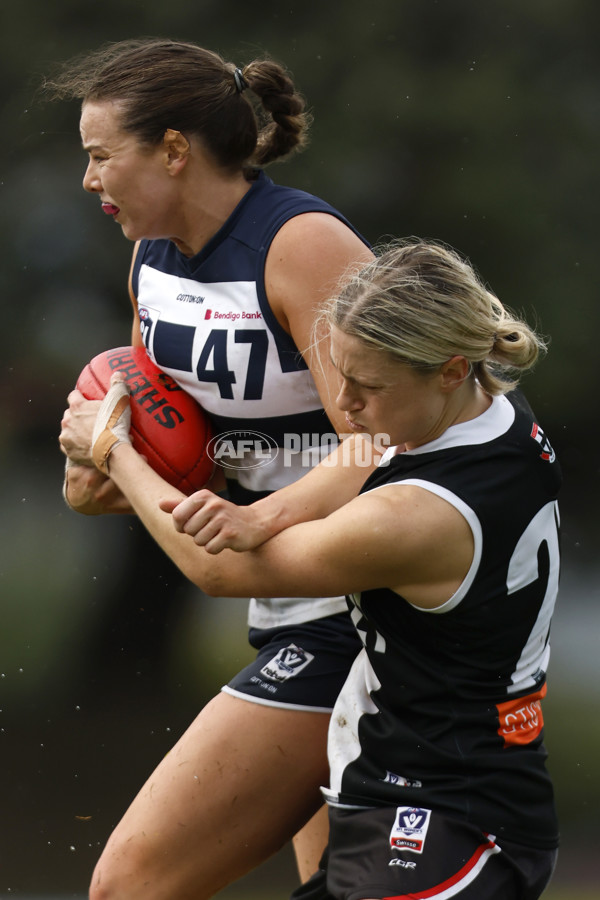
(495, 421)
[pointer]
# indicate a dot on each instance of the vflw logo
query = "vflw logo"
(289, 661)
(410, 828)
(400, 781)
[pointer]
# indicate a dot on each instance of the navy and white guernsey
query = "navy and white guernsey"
(442, 708)
(206, 321)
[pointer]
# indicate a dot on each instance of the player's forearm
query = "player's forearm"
(275, 568)
(327, 487)
(144, 489)
(227, 574)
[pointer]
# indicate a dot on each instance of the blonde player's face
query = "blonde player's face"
(382, 396)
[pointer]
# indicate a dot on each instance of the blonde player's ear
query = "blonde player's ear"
(454, 372)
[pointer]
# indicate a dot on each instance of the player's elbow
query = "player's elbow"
(216, 575)
(196, 568)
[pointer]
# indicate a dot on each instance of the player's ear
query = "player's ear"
(454, 372)
(176, 149)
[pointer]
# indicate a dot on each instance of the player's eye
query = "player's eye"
(369, 387)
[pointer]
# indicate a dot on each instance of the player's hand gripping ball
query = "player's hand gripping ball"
(168, 427)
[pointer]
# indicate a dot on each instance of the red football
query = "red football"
(168, 427)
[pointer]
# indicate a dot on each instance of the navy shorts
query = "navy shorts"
(392, 853)
(299, 666)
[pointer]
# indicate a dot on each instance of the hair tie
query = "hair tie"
(240, 82)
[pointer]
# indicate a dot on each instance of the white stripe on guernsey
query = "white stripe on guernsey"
(354, 700)
(470, 875)
(474, 524)
(523, 570)
(227, 307)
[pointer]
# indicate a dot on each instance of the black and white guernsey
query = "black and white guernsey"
(442, 708)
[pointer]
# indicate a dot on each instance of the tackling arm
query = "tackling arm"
(217, 524)
(388, 537)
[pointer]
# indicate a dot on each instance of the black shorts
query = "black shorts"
(299, 666)
(392, 853)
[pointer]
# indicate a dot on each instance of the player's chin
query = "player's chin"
(129, 230)
(132, 230)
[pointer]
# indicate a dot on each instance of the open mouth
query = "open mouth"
(110, 209)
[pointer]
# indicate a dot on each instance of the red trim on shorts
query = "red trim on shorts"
(457, 882)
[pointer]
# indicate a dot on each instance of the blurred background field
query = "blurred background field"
(475, 123)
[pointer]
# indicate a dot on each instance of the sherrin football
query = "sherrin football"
(168, 427)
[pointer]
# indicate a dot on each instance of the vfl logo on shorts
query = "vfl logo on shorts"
(288, 662)
(410, 828)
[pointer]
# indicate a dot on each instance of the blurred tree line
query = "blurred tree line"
(474, 123)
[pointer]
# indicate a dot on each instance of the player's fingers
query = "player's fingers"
(189, 507)
(216, 545)
(75, 397)
(168, 505)
(206, 535)
(72, 444)
(80, 408)
(196, 518)
(219, 532)
(65, 419)
(200, 526)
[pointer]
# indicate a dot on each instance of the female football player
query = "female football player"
(228, 269)
(449, 558)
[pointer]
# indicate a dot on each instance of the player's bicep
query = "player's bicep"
(398, 537)
(310, 258)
